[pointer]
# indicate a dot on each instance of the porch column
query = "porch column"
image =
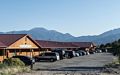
(7, 53)
(31, 53)
(19, 51)
(4, 53)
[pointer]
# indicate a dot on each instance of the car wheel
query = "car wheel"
(51, 60)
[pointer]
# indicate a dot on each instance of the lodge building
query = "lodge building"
(23, 44)
(17, 44)
(49, 45)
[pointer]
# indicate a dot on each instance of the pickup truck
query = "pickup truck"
(47, 56)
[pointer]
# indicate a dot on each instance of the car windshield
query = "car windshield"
(49, 54)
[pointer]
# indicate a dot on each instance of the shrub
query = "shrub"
(13, 70)
(11, 66)
(2, 65)
(109, 65)
(112, 65)
(13, 62)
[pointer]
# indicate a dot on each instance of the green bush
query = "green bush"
(13, 62)
(2, 65)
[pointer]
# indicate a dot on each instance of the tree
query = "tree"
(108, 45)
(119, 41)
(102, 46)
(114, 48)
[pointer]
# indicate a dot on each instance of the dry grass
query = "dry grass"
(12, 66)
(13, 70)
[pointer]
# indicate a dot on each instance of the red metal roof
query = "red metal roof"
(2, 45)
(83, 44)
(8, 39)
(55, 44)
(69, 45)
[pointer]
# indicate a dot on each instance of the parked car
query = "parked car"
(77, 54)
(60, 52)
(26, 60)
(74, 54)
(69, 54)
(98, 51)
(104, 50)
(87, 53)
(48, 56)
(92, 52)
(81, 53)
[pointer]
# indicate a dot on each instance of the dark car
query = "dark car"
(47, 56)
(26, 60)
(60, 52)
(104, 50)
(83, 52)
(69, 54)
(98, 51)
(92, 52)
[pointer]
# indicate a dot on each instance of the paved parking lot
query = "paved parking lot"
(83, 65)
(88, 62)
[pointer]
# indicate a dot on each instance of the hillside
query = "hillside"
(44, 34)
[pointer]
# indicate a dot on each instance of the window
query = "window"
(1, 52)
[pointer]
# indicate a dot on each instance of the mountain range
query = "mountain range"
(44, 34)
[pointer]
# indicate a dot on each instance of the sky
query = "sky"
(77, 17)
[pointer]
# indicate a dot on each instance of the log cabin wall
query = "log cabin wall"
(22, 42)
(23, 46)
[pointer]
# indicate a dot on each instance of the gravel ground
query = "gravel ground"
(83, 65)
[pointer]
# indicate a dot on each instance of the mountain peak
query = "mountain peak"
(37, 29)
(68, 34)
(44, 34)
(111, 32)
